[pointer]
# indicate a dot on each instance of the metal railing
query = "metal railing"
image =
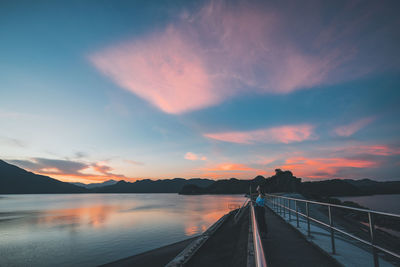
(283, 204)
(259, 255)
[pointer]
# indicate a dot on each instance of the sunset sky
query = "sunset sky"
(98, 90)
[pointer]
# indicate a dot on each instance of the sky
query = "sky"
(98, 90)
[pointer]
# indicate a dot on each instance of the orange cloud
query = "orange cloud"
(352, 128)
(282, 134)
(323, 167)
(230, 167)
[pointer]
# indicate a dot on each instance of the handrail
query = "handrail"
(338, 206)
(330, 225)
(258, 247)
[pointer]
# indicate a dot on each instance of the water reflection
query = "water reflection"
(92, 229)
(93, 216)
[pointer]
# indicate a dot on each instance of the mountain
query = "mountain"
(152, 186)
(328, 188)
(95, 185)
(367, 186)
(14, 180)
(284, 181)
(231, 186)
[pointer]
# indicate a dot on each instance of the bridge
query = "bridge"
(300, 233)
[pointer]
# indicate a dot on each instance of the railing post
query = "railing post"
(273, 203)
(284, 208)
(332, 232)
(372, 232)
(290, 213)
(297, 213)
(280, 206)
(308, 219)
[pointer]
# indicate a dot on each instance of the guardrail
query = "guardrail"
(282, 204)
(259, 255)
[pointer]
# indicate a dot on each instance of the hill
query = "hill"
(152, 186)
(14, 180)
(284, 181)
(94, 185)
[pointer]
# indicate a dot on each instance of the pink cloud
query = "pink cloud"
(282, 134)
(324, 167)
(352, 128)
(220, 51)
(377, 150)
(163, 69)
(193, 156)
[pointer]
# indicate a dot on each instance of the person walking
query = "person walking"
(259, 208)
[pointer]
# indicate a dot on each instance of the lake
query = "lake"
(387, 203)
(92, 229)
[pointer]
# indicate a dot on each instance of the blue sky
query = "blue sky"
(92, 90)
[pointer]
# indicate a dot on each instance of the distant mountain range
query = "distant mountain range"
(95, 185)
(153, 186)
(284, 181)
(14, 180)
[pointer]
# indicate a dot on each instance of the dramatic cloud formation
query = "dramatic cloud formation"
(163, 69)
(282, 134)
(97, 171)
(193, 156)
(352, 128)
(224, 49)
(61, 166)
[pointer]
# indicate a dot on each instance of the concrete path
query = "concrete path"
(226, 248)
(284, 246)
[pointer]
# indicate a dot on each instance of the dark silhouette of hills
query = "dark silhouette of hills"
(153, 186)
(284, 181)
(94, 185)
(349, 187)
(231, 186)
(14, 180)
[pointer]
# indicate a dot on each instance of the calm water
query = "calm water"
(91, 229)
(387, 203)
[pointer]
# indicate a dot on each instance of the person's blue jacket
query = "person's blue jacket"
(260, 201)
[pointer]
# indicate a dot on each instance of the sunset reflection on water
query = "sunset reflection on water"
(91, 229)
(93, 216)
